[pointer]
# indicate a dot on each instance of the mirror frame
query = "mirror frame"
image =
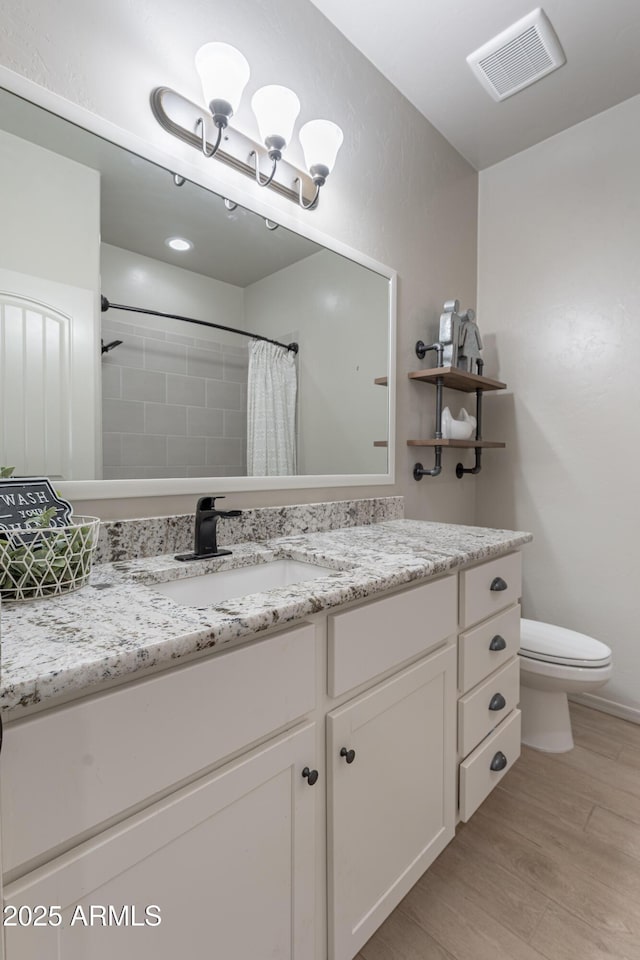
(236, 192)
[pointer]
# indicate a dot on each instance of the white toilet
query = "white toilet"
(554, 662)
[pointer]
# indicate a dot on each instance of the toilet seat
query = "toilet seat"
(548, 643)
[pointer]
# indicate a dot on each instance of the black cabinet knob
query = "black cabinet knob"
(498, 584)
(310, 776)
(498, 643)
(349, 755)
(498, 702)
(499, 761)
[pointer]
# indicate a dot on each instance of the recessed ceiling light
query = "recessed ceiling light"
(179, 243)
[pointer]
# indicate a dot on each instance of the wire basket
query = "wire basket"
(44, 562)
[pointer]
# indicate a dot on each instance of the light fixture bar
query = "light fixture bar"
(179, 117)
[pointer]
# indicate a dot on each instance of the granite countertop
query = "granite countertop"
(118, 624)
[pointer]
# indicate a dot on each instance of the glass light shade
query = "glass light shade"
(276, 109)
(224, 73)
(321, 140)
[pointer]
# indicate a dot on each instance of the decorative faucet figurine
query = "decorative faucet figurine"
(205, 543)
(460, 337)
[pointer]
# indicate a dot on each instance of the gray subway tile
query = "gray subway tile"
(202, 422)
(144, 385)
(204, 363)
(223, 451)
(186, 451)
(111, 381)
(224, 395)
(166, 357)
(180, 338)
(165, 419)
(212, 344)
(187, 390)
(235, 423)
(235, 367)
(122, 416)
(144, 473)
(111, 449)
(142, 450)
(206, 471)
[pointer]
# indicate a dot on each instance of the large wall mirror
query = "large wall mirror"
(120, 403)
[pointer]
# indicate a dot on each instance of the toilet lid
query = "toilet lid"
(546, 641)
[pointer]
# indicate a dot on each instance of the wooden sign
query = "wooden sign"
(23, 499)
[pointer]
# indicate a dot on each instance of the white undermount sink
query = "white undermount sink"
(208, 588)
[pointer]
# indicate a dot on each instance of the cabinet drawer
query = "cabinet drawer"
(490, 587)
(485, 648)
(477, 779)
(368, 640)
(66, 771)
(487, 705)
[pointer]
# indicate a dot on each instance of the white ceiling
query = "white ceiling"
(421, 47)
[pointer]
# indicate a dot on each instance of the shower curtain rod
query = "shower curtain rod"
(106, 305)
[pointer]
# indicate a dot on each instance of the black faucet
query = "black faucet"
(205, 544)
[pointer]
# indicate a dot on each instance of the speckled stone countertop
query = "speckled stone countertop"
(119, 624)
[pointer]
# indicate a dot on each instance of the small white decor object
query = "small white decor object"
(46, 561)
(462, 429)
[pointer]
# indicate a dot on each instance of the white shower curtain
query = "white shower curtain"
(271, 411)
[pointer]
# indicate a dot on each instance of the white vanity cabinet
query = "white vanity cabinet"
(227, 863)
(391, 801)
(390, 754)
(276, 800)
(229, 857)
(488, 678)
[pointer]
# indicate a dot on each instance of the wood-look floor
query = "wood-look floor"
(547, 869)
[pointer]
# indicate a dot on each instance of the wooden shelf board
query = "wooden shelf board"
(457, 379)
(467, 444)
(382, 381)
(381, 443)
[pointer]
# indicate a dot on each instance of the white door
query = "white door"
(50, 405)
(391, 807)
(227, 863)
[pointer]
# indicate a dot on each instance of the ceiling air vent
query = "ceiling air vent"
(517, 57)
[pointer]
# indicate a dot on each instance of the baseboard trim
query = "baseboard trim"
(608, 706)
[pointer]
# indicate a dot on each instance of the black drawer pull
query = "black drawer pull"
(349, 755)
(310, 776)
(498, 584)
(499, 761)
(498, 702)
(498, 643)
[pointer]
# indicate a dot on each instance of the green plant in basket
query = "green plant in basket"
(42, 560)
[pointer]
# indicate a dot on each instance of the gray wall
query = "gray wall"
(399, 192)
(50, 214)
(339, 312)
(560, 298)
(174, 394)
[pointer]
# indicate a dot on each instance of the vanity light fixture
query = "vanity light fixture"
(224, 73)
(321, 140)
(276, 110)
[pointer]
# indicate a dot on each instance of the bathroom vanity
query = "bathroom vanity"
(269, 776)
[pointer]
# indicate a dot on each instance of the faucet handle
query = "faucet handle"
(207, 503)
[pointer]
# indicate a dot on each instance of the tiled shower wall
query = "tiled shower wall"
(173, 406)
